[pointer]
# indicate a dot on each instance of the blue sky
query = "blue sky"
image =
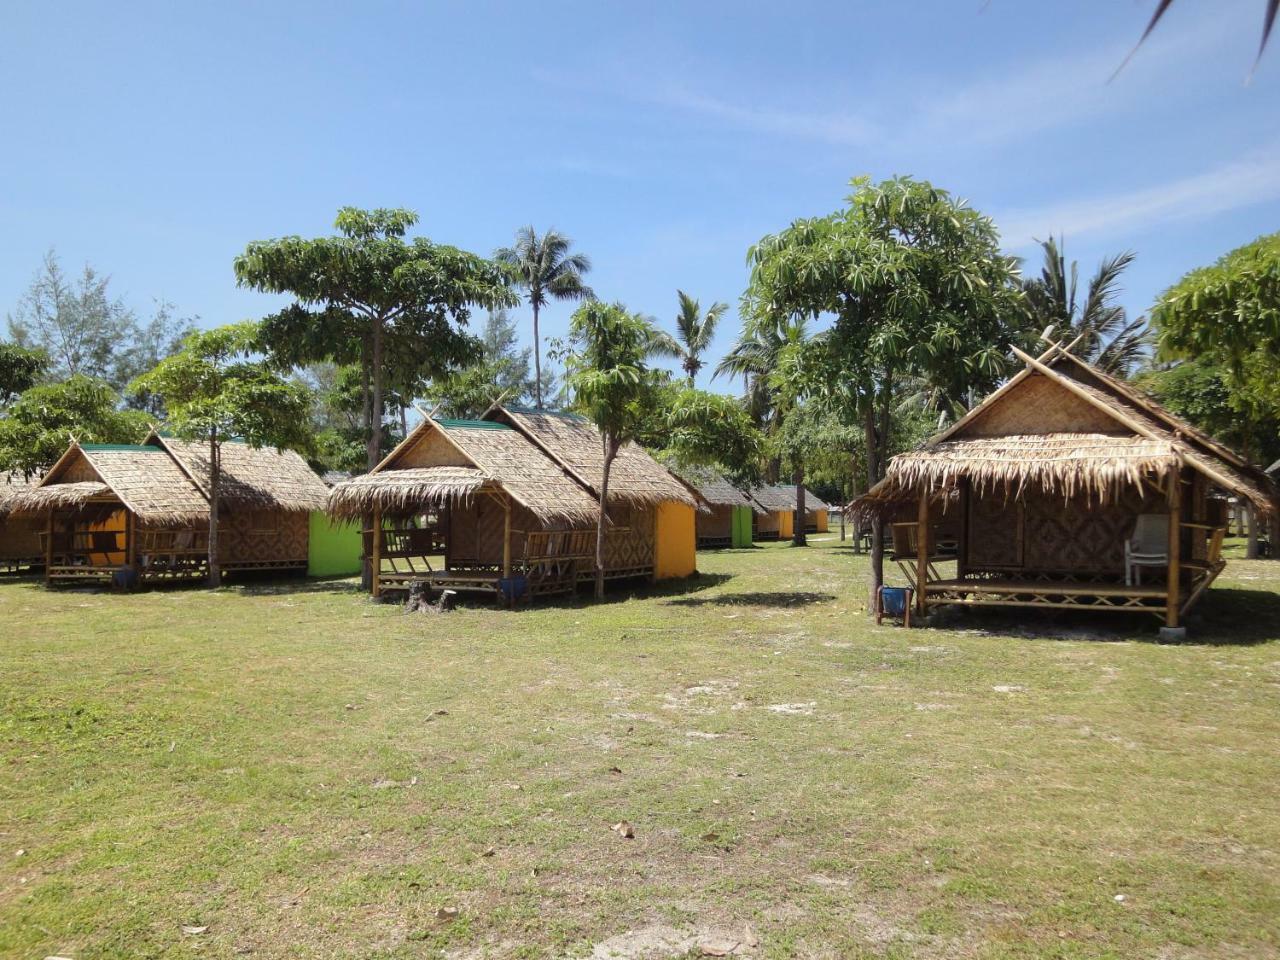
(155, 140)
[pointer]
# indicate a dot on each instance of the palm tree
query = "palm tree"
(1269, 10)
(546, 269)
(694, 330)
(755, 355)
(1099, 328)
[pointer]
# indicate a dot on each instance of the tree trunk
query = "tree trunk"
(404, 421)
(373, 451)
(215, 483)
(610, 451)
(877, 522)
(1251, 518)
(798, 539)
(537, 361)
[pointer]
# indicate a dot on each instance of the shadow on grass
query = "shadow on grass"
(263, 585)
(1223, 617)
(780, 598)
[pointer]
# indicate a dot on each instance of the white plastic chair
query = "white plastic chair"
(1148, 547)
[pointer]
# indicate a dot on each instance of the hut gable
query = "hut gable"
(443, 460)
(1039, 404)
(774, 498)
(252, 478)
(575, 443)
(1068, 428)
(144, 478)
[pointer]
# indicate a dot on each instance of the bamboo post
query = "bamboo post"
(922, 550)
(1175, 549)
(129, 540)
(962, 550)
(506, 539)
(48, 546)
(376, 566)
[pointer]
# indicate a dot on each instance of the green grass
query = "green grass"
(308, 774)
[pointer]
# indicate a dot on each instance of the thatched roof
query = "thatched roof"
(497, 457)
(1064, 426)
(811, 500)
(144, 478)
(719, 492)
(252, 478)
(398, 492)
(774, 498)
(12, 484)
(574, 442)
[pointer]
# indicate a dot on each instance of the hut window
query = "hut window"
(620, 516)
(264, 521)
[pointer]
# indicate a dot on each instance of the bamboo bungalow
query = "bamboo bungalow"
(19, 535)
(106, 506)
(506, 505)
(1065, 489)
(266, 499)
(816, 510)
(775, 511)
(725, 520)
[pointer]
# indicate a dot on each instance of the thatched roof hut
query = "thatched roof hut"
(724, 519)
(506, 505)
(19, 535)
(146, 506)
(1047, 480)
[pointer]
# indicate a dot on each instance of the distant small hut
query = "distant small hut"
(507, 505)
(19, 535)
(725, 520)
(816, 510)
(774, 514)
(1065, 489)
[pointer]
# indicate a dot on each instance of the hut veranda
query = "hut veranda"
(508, 505)
(145, 506)
(1066, 489)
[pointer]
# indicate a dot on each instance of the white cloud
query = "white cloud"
(1250, 179)
(841, 129)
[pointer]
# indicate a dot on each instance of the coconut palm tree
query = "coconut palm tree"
(1269, 10)
(1100, 329)
(545, 268)
(694, 330)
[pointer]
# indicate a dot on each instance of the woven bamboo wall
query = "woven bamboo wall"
(1038, 405)
(430, 449)
(20, 538)
(263, 536)
(718, 523)
(78, 471)
(631, 546)
(1043, 532)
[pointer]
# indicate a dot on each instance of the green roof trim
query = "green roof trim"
(135, 447)
(470, 424)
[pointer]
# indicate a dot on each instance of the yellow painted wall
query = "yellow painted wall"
(675, 549)
(820, 520)
(113, 526)
(786, 529)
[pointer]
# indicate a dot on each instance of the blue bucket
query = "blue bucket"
(513, 588)
(893, 601)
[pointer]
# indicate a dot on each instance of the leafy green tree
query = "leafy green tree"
(693, 431)
(545, 269)
(500, 374)
(694, 332)
(1227, 315)
(607, 368)
(369, 297)
(916, 286)
(1098, 327)
(37, 426)
(216, 391)
(83, 329)
(20, 370)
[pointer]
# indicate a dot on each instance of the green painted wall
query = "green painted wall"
(333, 549)
(741, 526)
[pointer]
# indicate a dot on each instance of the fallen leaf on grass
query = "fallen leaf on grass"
(447, 913)
(489, 853)
(624, 829)
(615, 769)
(194, 931)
